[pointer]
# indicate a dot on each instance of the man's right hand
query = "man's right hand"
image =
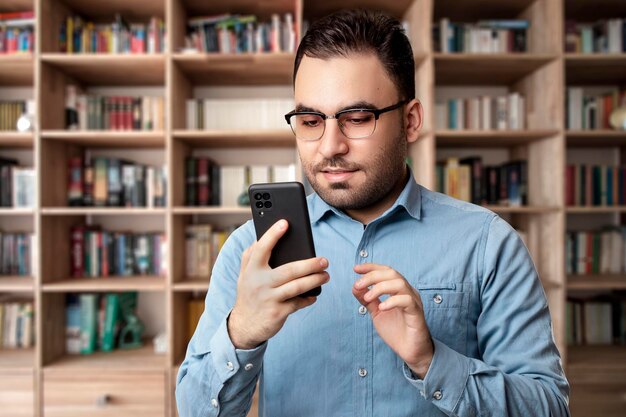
(266, 296)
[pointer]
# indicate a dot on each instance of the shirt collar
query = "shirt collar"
(410, 199)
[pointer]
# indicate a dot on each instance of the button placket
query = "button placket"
(362, 372)
(437, 395)
(437, 298)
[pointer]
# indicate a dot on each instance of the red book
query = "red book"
(78, 249)
(105, 253)
(128, 114)
(17, 15)
(588, 186)
(608, 109)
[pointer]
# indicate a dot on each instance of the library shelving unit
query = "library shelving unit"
(46, 381)
(597, 373)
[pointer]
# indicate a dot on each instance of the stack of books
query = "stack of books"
(238, 113)
(596, 321)
(588, 111)
(595, 185)
(484, 36)
(98, 253)
(96, 112)
(17, 184)
(209, 184)
(235, 34)
(17, 329)
(603, 36)
(467, 179)
(482, 113)
(17, 254)
(203, 243)
(16, 32)
(596, 252)
(78, 36)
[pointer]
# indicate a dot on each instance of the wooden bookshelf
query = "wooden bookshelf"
(282, 138)
(17, 69)
(486, 69)
(46, 373)
(16, 283)
(491, 138)
(596, 282)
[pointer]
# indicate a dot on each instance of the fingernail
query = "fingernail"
(282, 224)
(323, 262)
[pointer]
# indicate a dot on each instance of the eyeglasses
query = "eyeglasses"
(353, 123)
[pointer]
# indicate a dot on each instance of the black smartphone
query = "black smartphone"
(284, 200)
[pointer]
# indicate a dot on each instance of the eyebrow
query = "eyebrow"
(356, 105)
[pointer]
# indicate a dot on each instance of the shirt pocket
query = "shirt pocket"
(445, 309)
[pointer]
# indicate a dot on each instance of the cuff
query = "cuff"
(228, 361)
(446, 378)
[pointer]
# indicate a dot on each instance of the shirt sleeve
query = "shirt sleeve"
(520, 371)
(215, 379)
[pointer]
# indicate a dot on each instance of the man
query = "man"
(430, 306)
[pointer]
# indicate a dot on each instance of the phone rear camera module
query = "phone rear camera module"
(266, 196)
(268, 204)
(259, 204)
(258, 196)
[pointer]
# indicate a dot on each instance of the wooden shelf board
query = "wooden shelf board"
(237, 69)
(212, 210)
(493, 138)
(283, 138)
(192, 284)
(596, 282)
(109, 139)
(597, 358)
(486, 69)
(262, 9)
(103, 211)
(595, 210)
(17, 5)
(130, 10)
(16, 211)
(140, 359)
(17, 359)
(523, 210)
(105, 284)
(595, 69)
(21, 140)
(17, 69)
(595, 138)
(111, 69)
(469, 10)
(586, 11)
(16, 283)
(314, 10)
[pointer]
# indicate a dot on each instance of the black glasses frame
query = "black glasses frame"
(375, 112)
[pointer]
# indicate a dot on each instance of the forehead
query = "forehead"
(329, 84)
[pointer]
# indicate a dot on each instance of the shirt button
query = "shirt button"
(437, 299)
(362, 310)
(248, 366)
(363, 253)
(362, 372)
(230, 365)
(214, 403)
(437, 395)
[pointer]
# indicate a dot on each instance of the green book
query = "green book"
(111, 315)
(88, 323)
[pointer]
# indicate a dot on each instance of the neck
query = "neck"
(367, 214)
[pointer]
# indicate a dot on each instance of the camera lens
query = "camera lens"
(259, 204)
(268, 204)
(258, 196)
(266, 196)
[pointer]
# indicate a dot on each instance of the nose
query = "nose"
(333, 142)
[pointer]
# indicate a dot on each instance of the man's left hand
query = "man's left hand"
(399, 320)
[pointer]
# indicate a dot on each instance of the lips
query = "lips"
(336, 175)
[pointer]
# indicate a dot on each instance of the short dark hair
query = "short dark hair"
(362, 31)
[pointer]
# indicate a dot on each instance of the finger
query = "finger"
(369, 267)
(264, 246)
(245, 258)
(376, 276)
(301, 285)
(372, 306)
(292, 270)
(404, 301)
(392, 287)
(299, 303)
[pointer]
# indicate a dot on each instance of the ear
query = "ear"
(413, 120)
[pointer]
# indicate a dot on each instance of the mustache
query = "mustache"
(336, 163)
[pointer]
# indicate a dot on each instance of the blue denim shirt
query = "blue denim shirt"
(484, 305)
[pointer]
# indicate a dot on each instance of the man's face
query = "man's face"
(351, 174)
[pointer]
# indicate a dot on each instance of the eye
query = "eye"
(309, 120)
(356, 118)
